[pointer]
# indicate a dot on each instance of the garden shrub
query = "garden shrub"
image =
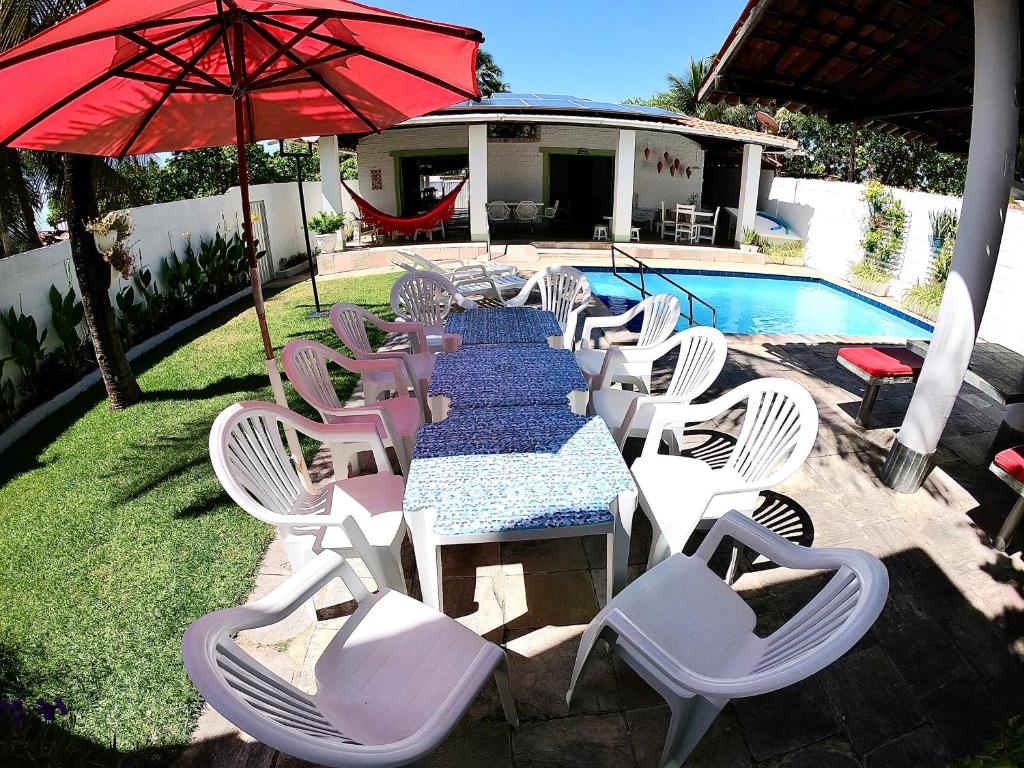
(884, 236)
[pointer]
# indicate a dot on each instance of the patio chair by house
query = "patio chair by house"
(707, 232)
(702, 353)
(549, 214)
(427, 299)
(396, 419)
(498, 212)
(667, 223)
(660, 315)
(528, 212)
(565, 291)
(255, 469)
(390, 686)
(678, 493)
(691, 637)
(686, 227)
(349, 323)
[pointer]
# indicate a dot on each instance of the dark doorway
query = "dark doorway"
(582, 184)
(417, 192)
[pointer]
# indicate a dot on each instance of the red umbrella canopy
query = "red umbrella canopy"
(136, 76)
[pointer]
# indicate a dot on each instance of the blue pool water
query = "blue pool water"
(754, 304)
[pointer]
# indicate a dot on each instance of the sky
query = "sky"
(601, 50)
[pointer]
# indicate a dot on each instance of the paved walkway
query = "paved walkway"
(940, 668)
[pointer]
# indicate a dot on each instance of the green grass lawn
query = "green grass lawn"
(115, 534)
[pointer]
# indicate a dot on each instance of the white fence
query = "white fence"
(830, 216)
(25, 278)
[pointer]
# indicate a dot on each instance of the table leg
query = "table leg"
(618, 541)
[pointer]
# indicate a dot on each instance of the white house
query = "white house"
(595, 159)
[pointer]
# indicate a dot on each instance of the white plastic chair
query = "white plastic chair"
(692, 638)
(349, 323)
(390, 686)
(427, 298)
(779, 427)
(565, 291)
(707, 231)
(254, 468)
(661, 314)
(702, 353)
(396, 419)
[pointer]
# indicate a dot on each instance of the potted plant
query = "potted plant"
(107, 230)
(749, 241)
(326, 225)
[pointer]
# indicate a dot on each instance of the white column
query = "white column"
(989, 169)
(478, 229)
(750, 180)
(330, 174)
(622, 199)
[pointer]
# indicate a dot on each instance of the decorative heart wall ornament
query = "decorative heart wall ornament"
(672, 170)
(689, 171)
(676, 163)
(666, 157)
(647, 153)
(660, 166)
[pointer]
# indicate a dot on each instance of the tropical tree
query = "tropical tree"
(489, 75)
(74, 179)
(19, 200)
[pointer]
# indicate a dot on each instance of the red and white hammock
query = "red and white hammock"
(425, 222)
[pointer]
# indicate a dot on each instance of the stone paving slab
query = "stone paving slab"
(940, 668)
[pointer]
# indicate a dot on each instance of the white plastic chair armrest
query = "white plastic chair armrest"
(770, 544)
(640, 402)
(523, 296)
(370, 410)
(611, 321)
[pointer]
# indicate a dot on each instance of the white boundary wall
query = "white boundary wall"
(25, 278)
(830, 216)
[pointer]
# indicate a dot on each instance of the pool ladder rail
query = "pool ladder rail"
(643, 269)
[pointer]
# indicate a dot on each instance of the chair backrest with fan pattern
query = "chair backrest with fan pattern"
(349, 322)
(424, 297)
(660, 316)
(702, 353)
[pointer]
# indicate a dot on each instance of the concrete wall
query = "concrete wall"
(831, 216)
(515, 170)
(25, 278)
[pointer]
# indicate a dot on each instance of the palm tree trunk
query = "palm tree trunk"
(94, 281)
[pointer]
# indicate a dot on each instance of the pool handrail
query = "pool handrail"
(644, 268)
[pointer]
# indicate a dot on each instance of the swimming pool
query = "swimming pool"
(752, 303)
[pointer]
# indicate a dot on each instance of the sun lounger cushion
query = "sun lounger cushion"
(1011, 461)
(883, 362)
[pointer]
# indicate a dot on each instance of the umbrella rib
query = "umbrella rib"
(386, 60)
(96, 81)
(222, 21)
(172, 87)
(283, 46)
(188, 67)
(181, 84)
(399, 21)
(94, 36)
(273, 79)
(321, 81)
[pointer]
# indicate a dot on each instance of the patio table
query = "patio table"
(506, 325)
(504, 375)
(509, 474)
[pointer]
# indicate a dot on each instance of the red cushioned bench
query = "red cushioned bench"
(1008, 466)
(878, 366)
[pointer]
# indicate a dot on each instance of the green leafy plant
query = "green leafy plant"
(749, 236)
(131, 314)
(66, 315)
(8, 398)
(1004, 751)
(326, 223)
(943, 261)
(789, 252)
(924, 299)
(26, 346)
(884, 236)
(869, 272)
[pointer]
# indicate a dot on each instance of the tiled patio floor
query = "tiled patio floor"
(939, 670)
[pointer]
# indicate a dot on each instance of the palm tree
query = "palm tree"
(19, 200)
(74, 179)
(489, 74)
(683, 89)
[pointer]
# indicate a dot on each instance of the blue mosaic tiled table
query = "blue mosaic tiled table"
(497, 474)
(504, 325)
(503, 375)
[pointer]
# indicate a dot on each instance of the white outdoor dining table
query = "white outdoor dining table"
(509, 474)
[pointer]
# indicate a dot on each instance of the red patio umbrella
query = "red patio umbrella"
(140, 76)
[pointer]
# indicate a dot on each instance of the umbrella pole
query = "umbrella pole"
(273, 371)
